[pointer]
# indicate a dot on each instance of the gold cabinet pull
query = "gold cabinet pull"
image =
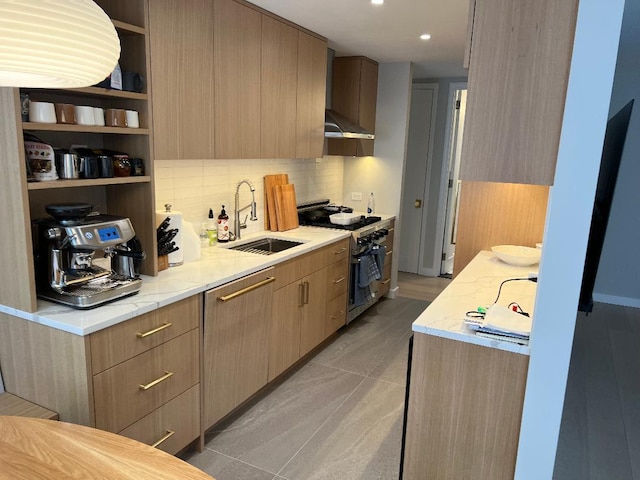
(390, 252)
(386, 281)
(156, 381)
(338, 252)
(390, 230)
(167, 436)
(306, 292)
(341, 279)
(301, 295)
(155, 330)
(248, 289)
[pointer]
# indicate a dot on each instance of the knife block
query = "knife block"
(163, 262)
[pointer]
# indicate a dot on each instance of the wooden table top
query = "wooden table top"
(34, 449)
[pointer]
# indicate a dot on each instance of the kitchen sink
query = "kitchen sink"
(266, 246)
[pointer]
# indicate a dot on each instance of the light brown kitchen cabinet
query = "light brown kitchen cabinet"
(305, 295)
(354, 95)
(237, 54)
(236, 331)
(385, 282)
(520, 54)
(140, 378)
(311, 99)
(279, 83)
(463, 399)
(132, 197)
(181, 38)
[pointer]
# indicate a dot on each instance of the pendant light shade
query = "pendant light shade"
(55, 43)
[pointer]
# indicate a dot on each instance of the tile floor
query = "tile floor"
(337, 417)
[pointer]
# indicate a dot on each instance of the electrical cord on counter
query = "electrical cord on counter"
(530, 279)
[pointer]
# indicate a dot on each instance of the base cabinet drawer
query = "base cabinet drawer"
(336, 314)
(385, 282)
(128, 339)
(129, 391)
(337, 282)
(171, 427)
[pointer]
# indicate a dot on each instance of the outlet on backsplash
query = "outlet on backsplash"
(356, 196)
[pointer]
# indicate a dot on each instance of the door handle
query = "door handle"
(417, 203)
(301, 295)
(306, 292)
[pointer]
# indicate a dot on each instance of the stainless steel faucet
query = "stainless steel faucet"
(237, 226)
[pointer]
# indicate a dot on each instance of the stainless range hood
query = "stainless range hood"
(337, 126)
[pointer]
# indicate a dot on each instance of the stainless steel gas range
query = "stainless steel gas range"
(367, 250)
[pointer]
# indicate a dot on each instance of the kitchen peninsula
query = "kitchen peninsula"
(466, 392)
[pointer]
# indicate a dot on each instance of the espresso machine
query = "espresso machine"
(65, 247)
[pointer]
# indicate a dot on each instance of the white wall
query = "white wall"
(382, 173)
(565, 240)
(617, 273)
(194, 186)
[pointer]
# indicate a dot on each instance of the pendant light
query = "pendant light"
(55, 43)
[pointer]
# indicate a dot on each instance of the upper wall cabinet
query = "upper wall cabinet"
(519, 58)
(180, 63)
(279, 78)
(234, 81)
(354, 95)
(237, 54)
(311, 101)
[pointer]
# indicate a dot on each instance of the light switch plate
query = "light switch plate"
(356, 196)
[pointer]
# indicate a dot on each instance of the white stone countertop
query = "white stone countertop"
(216, 266)
(477, 286)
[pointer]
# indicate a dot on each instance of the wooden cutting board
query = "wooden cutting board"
(286, 210)
(271, 181)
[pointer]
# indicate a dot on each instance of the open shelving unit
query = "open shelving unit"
(131, 197)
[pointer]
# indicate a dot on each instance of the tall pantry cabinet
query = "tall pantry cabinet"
(131, 197)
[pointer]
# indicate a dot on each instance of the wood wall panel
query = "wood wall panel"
(46, 366)
(498, 214)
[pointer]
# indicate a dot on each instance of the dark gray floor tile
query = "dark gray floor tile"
(360, 441)
(363, 344)
(222, 467)
(269, 433)
(393, 364)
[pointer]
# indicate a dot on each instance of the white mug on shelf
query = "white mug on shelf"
(42, 112)
(98, 116)
(132, 119)
(84, 115)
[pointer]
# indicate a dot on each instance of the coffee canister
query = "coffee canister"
(105, 166)
(89, 166)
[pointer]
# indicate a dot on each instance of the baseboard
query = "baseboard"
(616, 300)
(392, 293)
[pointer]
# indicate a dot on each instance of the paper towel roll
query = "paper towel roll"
(175, 221)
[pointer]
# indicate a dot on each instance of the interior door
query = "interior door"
(457, 127)
(415, 186)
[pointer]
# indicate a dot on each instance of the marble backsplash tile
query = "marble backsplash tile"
(194, 186)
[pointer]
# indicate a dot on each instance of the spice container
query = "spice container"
(121, 166)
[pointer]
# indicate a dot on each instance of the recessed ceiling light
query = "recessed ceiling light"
(377, 2)
(425, 36)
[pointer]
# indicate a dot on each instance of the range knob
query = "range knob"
(384, 231)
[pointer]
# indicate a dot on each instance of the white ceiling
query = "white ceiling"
(388, 32)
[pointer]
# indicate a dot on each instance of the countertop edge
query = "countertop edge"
(475, 286)
(178, 283)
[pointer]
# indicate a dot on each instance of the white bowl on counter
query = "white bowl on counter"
(517, 255)
(344, 218)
